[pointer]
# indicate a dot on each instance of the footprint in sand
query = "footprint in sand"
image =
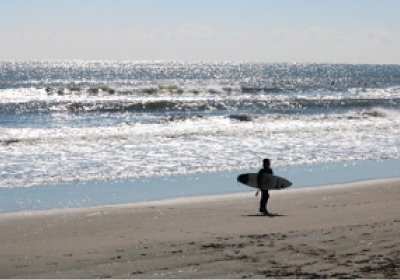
(21, 265)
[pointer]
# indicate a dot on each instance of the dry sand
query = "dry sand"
(326, 232)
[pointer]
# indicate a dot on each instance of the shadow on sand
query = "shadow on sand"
(270, 215)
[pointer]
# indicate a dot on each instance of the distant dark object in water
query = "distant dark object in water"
(373, 113)
(242, 117)
(243, 178)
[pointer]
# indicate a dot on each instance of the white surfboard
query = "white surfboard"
(268, 181)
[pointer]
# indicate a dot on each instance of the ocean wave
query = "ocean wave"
(39, 101)
(231, 125)
(25, 94)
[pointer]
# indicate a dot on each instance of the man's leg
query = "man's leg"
(264, 201)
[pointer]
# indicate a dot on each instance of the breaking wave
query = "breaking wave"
(234, 125)
(33, 101)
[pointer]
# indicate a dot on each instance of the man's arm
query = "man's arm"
(260, 173)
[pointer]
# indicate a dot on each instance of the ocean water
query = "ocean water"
(177, 188)
(85, 121)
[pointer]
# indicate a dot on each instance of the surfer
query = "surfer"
(264, 193)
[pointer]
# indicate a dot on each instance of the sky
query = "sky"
(337, 31)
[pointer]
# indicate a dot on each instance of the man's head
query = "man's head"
(266, 162)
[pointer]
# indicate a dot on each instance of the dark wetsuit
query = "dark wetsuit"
(264, 193)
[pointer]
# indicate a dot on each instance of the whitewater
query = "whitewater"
(63, 121)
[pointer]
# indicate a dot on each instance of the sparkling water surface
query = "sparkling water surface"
(79, 121)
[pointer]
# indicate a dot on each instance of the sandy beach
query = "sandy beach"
(341, 231)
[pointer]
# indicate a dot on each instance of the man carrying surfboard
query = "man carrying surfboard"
(264, 181)
(264, 193)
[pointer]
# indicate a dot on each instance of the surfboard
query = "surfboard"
(268, 181)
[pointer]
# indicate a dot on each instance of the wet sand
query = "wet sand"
(339, 231)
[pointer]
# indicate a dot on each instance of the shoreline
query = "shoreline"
(345, 230)
(200, 199)
(126, 191)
